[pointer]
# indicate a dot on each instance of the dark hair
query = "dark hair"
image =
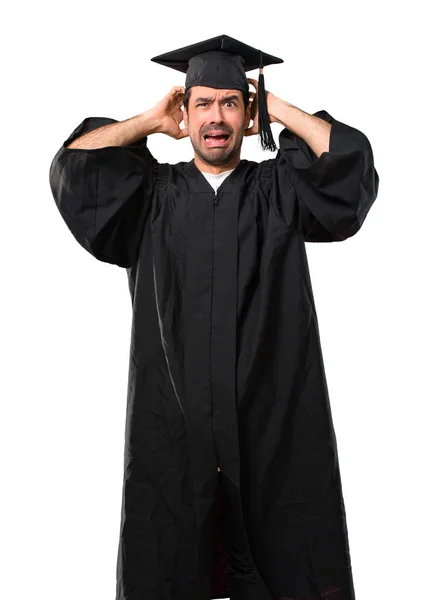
(245, 95)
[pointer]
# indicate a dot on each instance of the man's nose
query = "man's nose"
(216, 113)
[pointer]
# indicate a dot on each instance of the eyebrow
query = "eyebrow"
(211, 98)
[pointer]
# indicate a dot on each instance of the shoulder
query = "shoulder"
(261, 174)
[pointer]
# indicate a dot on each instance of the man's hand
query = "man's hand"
(165, 117)
(168, 115)
(270, 101)
(313, 130)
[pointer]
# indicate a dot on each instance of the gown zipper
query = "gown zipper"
(212, 403)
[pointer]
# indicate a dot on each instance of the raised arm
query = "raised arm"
(165, 117)
(313, 130)
(324, 168)
(102, 179)
(335, 187)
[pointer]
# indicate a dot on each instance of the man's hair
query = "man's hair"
(245, 95)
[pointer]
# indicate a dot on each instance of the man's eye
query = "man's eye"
(203, 104)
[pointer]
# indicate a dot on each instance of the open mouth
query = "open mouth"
(213, 140)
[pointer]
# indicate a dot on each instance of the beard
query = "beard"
(216, 156)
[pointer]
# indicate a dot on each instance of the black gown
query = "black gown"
(226, 368)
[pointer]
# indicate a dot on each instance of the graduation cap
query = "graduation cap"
(221, 62)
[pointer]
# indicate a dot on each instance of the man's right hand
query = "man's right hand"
(165, 117)
(168, 114)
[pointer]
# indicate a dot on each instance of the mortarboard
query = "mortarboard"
(221, 62)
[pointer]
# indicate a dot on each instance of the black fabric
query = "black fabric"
(266, 137)
(217, 70)
(253, 58)
(99, 194)
(226, 367)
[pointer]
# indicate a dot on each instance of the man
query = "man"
(231, 477)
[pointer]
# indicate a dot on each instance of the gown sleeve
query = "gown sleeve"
(104, 194)
(334, 191)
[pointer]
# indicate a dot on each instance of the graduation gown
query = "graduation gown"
(231, 477)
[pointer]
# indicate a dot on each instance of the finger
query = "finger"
(254, 110)
(253, 82)
(253, 129)
(183, 133)
(176, 94)
(178, 89)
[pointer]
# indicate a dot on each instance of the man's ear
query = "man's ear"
(247, 116)
(185, 117)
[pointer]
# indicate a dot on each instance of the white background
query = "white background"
(65, 318)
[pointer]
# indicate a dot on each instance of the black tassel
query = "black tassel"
(266, 139)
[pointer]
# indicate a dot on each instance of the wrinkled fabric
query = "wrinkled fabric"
(226, 369)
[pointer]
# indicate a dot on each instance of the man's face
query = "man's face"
(216, 121)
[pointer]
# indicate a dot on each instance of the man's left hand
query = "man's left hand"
(270, 102)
